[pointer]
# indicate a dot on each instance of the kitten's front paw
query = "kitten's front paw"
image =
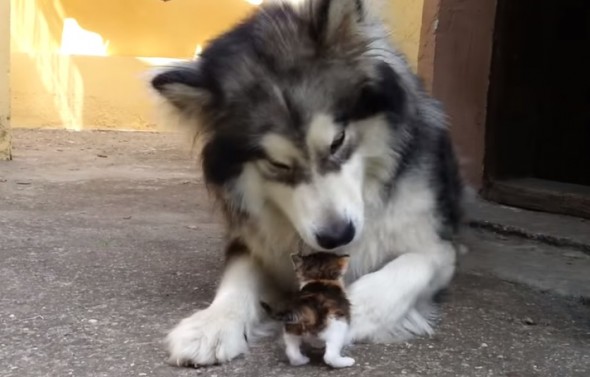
(299, 360)
(340, 362)
(211, 336)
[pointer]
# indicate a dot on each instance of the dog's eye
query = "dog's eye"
(337, 142)
(279, 166)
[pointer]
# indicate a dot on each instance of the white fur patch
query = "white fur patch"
(321, 132)
(281, 149)
(293, 350)
(335, 336)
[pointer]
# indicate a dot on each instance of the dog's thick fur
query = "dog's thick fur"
(315, 134)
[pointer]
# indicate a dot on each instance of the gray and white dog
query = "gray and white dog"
(315, 133)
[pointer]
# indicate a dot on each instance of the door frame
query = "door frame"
(455, 62)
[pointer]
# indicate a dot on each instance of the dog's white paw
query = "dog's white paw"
(364, 296)
(210, 336)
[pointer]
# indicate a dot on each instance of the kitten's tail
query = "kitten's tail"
(284, 316)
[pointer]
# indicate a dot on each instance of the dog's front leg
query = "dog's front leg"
(220, 332)
(395, 301)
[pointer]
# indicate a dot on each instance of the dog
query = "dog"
(314, 133)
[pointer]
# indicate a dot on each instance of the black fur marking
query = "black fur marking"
(360, 9)
(386, 95)
(285, 316)
(442, 296)
(235, 249)
(186, 77)
(266, 307)
(294, 113)
(409, 151)
(332, 163)
(256, 93)
(449, 187)
(229, 45)
(193, 78)
(273, 62)
(224, 157)
(292, 177)
(320, 14)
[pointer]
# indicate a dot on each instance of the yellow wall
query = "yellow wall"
(131, 27)
(405, 20)
(84, 92)
(4, 87)
(53, 89)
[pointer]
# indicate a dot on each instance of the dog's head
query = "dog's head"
(295, 108)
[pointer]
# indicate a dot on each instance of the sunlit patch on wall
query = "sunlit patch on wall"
(34, 39)
(198, 51)
(77, 41)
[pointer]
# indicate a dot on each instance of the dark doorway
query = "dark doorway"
(538, 126)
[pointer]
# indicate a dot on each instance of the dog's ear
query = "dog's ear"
(184, 87)
(334, 22)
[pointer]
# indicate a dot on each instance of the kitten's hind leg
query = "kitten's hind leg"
(293, 349)
(334, 336)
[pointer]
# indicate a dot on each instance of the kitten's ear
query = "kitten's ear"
(343, 262)
(297, 260)
(184, 87)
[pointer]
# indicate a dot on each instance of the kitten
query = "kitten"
(320, 309)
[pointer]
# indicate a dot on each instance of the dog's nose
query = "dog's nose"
(336, 235)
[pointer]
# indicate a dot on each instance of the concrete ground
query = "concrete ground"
(108, 239)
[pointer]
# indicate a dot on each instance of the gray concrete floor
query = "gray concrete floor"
(108, 239)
